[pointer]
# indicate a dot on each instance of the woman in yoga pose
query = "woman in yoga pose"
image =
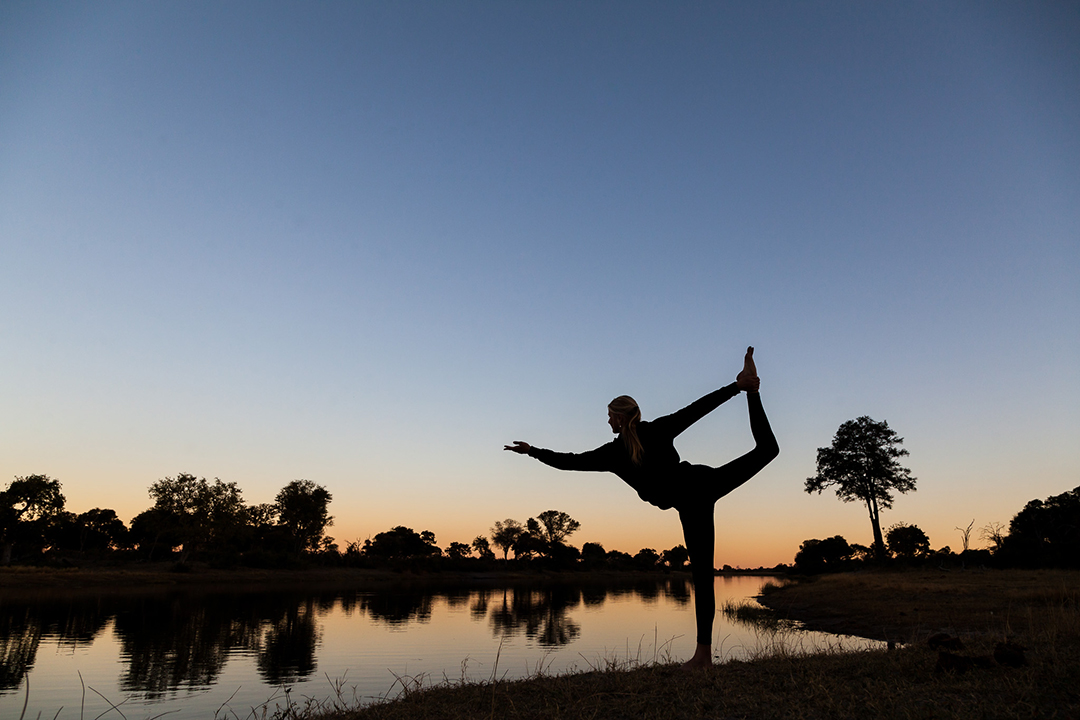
(644, 456)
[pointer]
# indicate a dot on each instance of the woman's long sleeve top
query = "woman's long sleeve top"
(652, 477)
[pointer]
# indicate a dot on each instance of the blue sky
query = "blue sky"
(367, 244)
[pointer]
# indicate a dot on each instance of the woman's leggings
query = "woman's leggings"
(704, 486)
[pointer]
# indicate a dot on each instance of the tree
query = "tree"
(458, 550)
(531, 541)
(303, 510)
(965, 533)
(505, 534)
(155, 528)
(907, 541)
(483, 548)
(676, 557)
(593, 554)
(399, 543)
(862, 465)
(28, 507)
(197, 513)
(993, 532)
(556, 526)
(1046, 533)
(101, 529)
(817, 556)
(646, 559)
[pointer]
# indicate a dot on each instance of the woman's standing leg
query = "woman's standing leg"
(707, 485)
(699, 533)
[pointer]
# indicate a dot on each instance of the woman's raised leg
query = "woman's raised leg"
(724, 479)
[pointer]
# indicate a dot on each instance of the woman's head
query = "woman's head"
(624, 416)
(622, 411)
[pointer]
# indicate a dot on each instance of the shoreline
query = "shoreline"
(18, 582)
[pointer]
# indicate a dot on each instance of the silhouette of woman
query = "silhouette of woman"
(644, 456)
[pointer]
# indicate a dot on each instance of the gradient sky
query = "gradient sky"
(367, 244)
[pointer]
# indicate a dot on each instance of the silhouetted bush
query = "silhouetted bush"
(819, 556)
(1046, 533)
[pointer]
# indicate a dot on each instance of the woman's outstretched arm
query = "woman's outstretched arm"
(599, 459)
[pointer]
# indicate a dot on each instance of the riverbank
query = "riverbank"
(909, 606)
(1036, 611)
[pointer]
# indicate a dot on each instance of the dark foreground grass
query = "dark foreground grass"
(1038, 611)
(882, 684)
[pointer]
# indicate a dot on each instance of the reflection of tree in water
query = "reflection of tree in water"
(184, 641)
(542, 614)
(678, 589)
(397, 608)
(19, 638)
(288, 648)
(22, 625)
(594, 595)
(178, 642)
(479, 608)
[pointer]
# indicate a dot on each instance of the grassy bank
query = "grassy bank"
(910, 606)
(976, 610)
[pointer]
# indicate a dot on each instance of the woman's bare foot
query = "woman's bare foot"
(702, 658)
(747, 379)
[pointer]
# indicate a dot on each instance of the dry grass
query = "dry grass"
(907, 606)
(896, 684)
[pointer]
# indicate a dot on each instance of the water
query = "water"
(192, 654)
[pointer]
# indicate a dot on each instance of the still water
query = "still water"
(196, 654)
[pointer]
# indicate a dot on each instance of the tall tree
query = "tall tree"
(505, 534)
(303, 509)
(862, 465)
(27, 508)
(556, 526)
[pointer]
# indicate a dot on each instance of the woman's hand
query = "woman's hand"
(748, 384)
(519, 447)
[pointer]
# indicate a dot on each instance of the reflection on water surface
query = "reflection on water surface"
(200, 647)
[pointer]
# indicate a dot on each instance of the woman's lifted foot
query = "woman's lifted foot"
(747, 379)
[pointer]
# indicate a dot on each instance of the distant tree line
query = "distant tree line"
(196, 520)
(1044, 534)
(191, 518)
